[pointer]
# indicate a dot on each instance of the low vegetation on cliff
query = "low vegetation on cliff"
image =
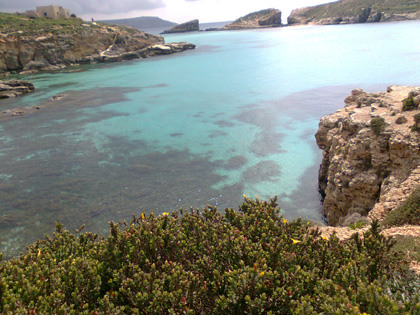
(263, 18)
(250, 261)
(356, 11)
(30, 44)
(18, 24)
(407, 213)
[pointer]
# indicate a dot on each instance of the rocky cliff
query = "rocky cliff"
(190, 26)
(356, 11)
(263, 18)
(40, 44)
(371, 154)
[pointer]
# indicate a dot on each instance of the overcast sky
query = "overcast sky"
(178, 11)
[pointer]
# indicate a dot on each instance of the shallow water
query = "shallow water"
(237, 115)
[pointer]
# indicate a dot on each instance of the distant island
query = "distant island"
(259, 19)
(356, 11)
(190, 26)
(142, 22)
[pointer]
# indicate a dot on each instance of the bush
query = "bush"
(377, 125)
(408, 104)
(250, 261)
(407, 213)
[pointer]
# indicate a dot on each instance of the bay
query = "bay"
(236, 115)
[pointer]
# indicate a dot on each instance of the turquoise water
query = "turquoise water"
(236, 115)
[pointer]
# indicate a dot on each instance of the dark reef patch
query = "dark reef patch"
(236, 162)
(263, 171)
(224, 123)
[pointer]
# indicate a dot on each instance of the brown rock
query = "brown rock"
(361, 167)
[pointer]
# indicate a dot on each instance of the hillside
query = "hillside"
(143, 22)
(356, 11)
(263, 18)
(42, 44)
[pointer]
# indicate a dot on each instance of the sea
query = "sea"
(237, 115)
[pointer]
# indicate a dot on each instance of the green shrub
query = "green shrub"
(408, 104)
(357, 225)
(250, 261)
(377, 125)
(407, 213)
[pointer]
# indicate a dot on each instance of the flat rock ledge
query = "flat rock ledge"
(114, 53)
(13, 88)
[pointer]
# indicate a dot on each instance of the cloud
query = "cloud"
(85, 6)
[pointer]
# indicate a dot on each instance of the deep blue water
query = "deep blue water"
(236, 115)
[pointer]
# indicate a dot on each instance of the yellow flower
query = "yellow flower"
(244, 195)
(356, 308)
(262, 273)
(165, 213)
(39, 253)
(143, 217)
(284, 221)
(324, 238)
(295, 241)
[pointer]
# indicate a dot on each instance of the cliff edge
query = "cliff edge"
(371, 154)
(356, 11)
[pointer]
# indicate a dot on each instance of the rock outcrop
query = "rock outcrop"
(50, 49)
(354, 11)
(13, 88)
(371, 154)
(190, 26)
(259, 19)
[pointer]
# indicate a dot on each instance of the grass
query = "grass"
(407, 213)
(353, 7)
(409, 246)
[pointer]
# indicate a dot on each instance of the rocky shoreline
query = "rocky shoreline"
(371, 155)
(13, 88)
(59, 47)
(352, 12)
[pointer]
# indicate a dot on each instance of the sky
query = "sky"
(177, 11)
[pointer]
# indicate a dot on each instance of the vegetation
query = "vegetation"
(409, 246)
(255, 16)
(250, 261)
(357, 225)
(407, 213)
(408, 104)
(377, 125)
(354, 7)
(416, 126)
(20, 24)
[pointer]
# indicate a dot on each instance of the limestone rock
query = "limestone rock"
(13, 88)
(364, 163)
(190, 26)
(263, 18)
(55, 51)
(351, 11)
